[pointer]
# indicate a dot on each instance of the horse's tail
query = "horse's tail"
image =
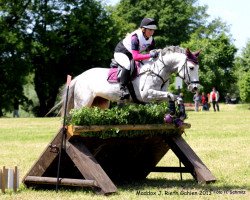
(61, 104)
(54, 108)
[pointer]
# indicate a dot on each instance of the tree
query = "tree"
(244, 87)
(177, 19)
(66, 37)
(242, 71)
(13, 66)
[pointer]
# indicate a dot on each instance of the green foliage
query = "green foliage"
(129, 114)
(242, 70)
(67, 37)
(13, 66)
(244, 87)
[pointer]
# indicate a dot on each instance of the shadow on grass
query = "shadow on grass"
(181, 184)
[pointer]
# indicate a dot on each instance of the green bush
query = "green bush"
(128, 114)
(244, 85)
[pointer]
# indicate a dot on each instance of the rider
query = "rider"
(137, 46)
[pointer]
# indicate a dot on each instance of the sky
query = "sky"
(236, 14)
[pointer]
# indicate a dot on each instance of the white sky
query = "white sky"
(234, 13)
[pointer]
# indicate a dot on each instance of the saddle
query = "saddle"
(115, 69)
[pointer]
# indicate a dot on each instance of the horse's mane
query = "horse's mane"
(193, 57)
(172, 49)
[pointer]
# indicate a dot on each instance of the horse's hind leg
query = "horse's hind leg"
(83, 97)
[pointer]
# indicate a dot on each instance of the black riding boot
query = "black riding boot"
(124, 79)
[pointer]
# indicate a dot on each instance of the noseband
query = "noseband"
(185, 68)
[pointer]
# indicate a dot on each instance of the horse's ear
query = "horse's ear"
(197, 53)
(188, 50)
(193, 57)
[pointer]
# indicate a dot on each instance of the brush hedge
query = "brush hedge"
(128, 114)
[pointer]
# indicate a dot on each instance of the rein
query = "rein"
(186, 73)
(152, 72)
(184, 67)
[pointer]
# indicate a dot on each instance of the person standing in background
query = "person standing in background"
(214, 98)
(204, 101)
(197, 100)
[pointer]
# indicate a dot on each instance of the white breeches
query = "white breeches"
(122, 59)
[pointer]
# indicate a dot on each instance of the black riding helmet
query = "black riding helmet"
(149, 23)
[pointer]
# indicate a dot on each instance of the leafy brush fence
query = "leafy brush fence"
(106, 147)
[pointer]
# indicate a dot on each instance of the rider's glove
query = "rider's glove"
(153, 54)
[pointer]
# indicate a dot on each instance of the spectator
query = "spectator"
(16, 108)
(228, 98)
(196, 99)
(214, 98)
(204, 101)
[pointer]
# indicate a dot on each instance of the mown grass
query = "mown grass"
(220, 139)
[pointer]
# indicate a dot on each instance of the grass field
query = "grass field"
(220, 139)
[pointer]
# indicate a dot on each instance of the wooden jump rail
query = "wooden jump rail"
(76, 130)
(95, 162)
(62, 181)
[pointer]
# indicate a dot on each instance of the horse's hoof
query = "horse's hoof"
(178, 122)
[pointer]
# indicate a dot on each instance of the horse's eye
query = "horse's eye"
(191, 68)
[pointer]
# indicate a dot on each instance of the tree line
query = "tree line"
(44, 40)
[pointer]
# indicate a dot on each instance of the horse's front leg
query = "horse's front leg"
(157, 95)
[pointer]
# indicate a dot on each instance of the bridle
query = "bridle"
(184, 67)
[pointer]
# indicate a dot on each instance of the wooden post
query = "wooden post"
(3, 179)
(189, 158)
(9, 179)
(89, 167)
(0, 178)
(15, 179)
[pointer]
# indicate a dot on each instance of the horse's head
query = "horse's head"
(189, 70)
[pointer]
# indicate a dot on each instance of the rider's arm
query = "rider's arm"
(135, 50)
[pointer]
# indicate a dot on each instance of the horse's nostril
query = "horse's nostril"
(195, 88)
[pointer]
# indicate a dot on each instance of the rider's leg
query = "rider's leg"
(124, 79)
(124, 61)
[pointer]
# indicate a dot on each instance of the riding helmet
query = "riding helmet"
(149, 23)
